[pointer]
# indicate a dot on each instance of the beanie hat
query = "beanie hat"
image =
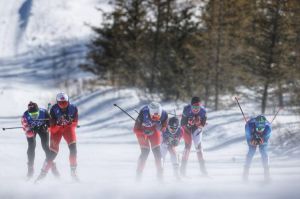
(32, 107)
(195, 100)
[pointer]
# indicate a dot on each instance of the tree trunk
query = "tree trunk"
(264, 97)
(218, 54)
(280, 95)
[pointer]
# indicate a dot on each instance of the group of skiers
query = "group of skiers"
(153, 128)
(61, 122)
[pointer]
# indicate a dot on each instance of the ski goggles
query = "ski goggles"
(260, 129)
(34, 114)
(155, 117)
(63, 104)
(195, 108)
(172, 129)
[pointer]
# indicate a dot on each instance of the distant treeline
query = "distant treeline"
(181, 48)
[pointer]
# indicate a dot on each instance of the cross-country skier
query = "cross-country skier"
(35, 121)
(64, 119)
(193, 120)
(151, 121)
(170, 140)
(258, 131)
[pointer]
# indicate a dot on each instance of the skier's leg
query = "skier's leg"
(45, 143)
(155, 140)
(50, 155)
(54, 148)
(265, 160)
(174, 161)
(197, 138)
(185, 156)
(249, 157)
(70, 137)
(163, 150)
(158, 163)
(141, 162)
(30, 155)
(145, 150)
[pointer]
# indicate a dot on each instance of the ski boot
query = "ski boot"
(42, 175)
(246, 174)
(159, 175)
(267, 178)
(46, 167)
(74, 174)
(203, 168)
(55, 171)
(30, 172)
(183, 168)
(176, 171)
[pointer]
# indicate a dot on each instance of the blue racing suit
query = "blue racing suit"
(260, 139)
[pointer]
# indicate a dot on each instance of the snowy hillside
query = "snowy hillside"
(28, 25)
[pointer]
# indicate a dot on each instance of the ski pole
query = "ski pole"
(276, 114)
(124, 111)
(18, 127)
(48, 107)
(167, 112)
(240, 108)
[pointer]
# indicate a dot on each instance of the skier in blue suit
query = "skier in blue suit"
(258, 131)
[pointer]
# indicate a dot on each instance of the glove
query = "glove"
(197, 122)
(64, 121)
(147, 127)
(147, 124)
(148, 130)
(257, 141)
(36, 125)
(158, 125)
(172, 141)
(190, 122)
(30, 134)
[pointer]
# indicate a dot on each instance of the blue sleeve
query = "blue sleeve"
(202, 115)
(267, 134)
(184, 118)
(146, 118)
(248, 131)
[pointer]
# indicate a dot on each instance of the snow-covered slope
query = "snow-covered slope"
(28, 25)
(107, 151)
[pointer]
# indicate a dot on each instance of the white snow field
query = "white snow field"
(53, 33)
(108, 152)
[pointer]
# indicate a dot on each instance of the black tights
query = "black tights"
(32, 144)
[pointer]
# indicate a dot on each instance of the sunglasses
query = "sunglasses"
(63, 104)
(260, 129)
(155, 117)
(34, 114)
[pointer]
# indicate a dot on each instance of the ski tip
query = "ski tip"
(115, 104)
(3, 129)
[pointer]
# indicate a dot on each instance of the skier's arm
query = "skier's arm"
(52, 121)
(267, 134)
(47, 119)
(203, 117)
(25, 124)
(184, 118)
(164, 122)
(26, 127)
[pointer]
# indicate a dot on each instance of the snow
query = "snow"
(108, 151)
(29, 24)
(107, 147)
